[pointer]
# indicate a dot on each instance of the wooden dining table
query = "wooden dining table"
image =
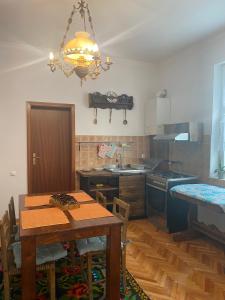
(73, 230)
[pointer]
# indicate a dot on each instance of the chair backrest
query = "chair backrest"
(101, 199)
(5, 241)
(12, 215)
(121, 209)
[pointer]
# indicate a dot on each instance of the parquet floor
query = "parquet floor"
(168, 270)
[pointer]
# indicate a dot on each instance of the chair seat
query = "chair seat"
(97, 243)
(44, 253)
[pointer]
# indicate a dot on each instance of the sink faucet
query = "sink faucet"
(120, 160)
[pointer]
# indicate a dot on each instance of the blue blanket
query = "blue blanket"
(204, 192)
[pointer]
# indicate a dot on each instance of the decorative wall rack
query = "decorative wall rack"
(111, 101)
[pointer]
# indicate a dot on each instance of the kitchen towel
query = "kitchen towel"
(111, 151)
(103, 150)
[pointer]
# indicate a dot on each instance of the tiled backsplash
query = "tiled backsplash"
(195, 157)
(87, 150)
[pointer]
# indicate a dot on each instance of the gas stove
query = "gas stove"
(166, 179)
(158, 200)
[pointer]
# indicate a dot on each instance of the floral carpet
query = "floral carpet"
(70, 284)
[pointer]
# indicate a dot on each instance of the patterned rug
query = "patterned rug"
(70, 284)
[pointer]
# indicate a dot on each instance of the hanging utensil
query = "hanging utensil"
(110, 115)
(96, 115)
(125, 117)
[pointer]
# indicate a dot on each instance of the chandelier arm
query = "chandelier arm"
(104, 67)
(66, 73)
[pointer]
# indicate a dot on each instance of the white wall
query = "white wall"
(188, 77)
(37, 83)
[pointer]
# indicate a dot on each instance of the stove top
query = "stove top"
(169, 174)
(167, 179)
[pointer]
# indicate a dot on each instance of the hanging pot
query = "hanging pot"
(110, 115)
(125, 117)
(96, 116)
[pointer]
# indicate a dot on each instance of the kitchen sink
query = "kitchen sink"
(126, 171)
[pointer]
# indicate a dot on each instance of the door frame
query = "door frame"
(71, 107)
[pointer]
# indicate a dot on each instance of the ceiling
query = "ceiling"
(135, 29)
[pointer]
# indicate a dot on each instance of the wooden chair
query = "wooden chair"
(7, 258)
(91, 247)
(14, 229)
(101, 199)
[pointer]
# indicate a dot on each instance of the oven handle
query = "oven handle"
(155, 187)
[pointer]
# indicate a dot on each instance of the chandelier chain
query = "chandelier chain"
(90, 21)
(69, 22)
(82, 6)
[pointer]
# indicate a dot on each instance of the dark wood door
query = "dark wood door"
(50, 148)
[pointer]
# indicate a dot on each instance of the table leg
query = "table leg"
(28, 268)
(113, 263)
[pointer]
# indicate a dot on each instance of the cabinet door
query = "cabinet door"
(132, 190)
(162, 111)
(157, 112)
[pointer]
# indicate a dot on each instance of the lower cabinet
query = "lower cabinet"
(132, 190)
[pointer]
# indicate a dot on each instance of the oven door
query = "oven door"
(156, 200)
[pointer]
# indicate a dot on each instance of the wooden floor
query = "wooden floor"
(167, 270)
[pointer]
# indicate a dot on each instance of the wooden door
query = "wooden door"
(51, 161)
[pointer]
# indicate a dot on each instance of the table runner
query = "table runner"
(42, 217)
(90, 211)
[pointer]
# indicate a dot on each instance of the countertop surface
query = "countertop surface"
(97, 173)
(107, 173)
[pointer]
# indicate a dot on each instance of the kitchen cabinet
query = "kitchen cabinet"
(157, 112)
(101, 181)
(132, 190)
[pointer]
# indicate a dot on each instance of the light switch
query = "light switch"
(12, 173)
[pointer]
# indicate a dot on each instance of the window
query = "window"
(217, 158)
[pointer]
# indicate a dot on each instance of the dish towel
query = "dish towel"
(112, 150)
(102, 150)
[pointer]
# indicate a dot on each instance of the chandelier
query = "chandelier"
(80, 55)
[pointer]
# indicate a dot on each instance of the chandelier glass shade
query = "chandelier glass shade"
(80, 55)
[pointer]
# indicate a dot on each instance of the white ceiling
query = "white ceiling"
(134, 29)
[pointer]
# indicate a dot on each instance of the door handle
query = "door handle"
(34, 158)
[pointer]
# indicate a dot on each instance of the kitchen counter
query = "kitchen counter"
(127, 186)
(116, 172)
(94, 173)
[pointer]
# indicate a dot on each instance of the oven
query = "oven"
(155, 199)
(162, 210)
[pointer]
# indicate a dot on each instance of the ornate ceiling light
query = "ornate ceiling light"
(80, 55)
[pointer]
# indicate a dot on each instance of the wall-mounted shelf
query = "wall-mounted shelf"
(98, 100)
